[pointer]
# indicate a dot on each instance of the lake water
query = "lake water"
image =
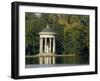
(51, 65)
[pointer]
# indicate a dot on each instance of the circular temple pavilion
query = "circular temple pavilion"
(47, 46)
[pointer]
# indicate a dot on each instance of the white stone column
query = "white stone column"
(50, 45)
(54, 45)
(45, 45)
(41, 45)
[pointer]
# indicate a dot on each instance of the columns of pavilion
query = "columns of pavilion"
(47, 53)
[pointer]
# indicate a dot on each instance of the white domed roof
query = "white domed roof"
(47, 30)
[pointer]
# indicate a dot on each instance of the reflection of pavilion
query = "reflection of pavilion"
(47, 46)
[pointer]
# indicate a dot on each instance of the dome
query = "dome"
(47, 30)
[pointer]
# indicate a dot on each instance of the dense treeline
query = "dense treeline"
(72, 32)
